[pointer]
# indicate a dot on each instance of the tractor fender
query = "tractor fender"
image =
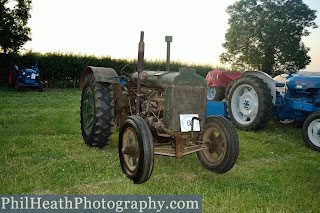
(267, 79)
(101, 74)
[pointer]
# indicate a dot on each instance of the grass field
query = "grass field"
(42, 152)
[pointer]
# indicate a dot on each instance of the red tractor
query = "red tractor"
(219, 82)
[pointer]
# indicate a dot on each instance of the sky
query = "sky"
(112, 28)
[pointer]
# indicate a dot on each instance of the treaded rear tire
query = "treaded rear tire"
(97, 124)
(253, 109)
(227, 91)
(219, 93)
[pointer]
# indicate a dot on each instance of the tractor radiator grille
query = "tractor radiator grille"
(184, 100)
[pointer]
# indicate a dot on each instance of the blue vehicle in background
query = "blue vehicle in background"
(27, 77)
(255, 98)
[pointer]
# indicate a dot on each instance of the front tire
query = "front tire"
(136, 149)
(223, 145)
(250, 103)
(311, 131)
(96, 112)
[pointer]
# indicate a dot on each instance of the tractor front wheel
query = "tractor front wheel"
(136, 149)
(311, 131)
(96, 112)
(223, 145)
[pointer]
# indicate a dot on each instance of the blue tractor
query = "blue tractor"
(298, 100)
(255, 98)
(27, 77)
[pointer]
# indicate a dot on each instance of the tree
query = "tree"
(13, 30)
(266, 35)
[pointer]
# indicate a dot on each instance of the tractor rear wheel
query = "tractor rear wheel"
(136, 149)
(250, 103)
(311, 131)
(228, 88)
(96, 112)
(223, 145)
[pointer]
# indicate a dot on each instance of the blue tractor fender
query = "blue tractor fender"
(101, 74)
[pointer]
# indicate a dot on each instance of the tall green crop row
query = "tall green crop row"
(64, 69)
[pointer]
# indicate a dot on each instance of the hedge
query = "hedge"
(64, 69)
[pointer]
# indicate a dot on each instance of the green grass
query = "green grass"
(42, 152)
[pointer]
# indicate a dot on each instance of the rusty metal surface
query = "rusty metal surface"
(139, 69)
(192, 149)
(172, 152)
(165, 151)
(130, 150)
(179, 148)
(183, 100)
(168, 39)
(216, 144)
(180, 144)
(163, 79)
(184, 93)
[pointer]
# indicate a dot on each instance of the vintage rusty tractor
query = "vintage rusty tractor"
(156, 112)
